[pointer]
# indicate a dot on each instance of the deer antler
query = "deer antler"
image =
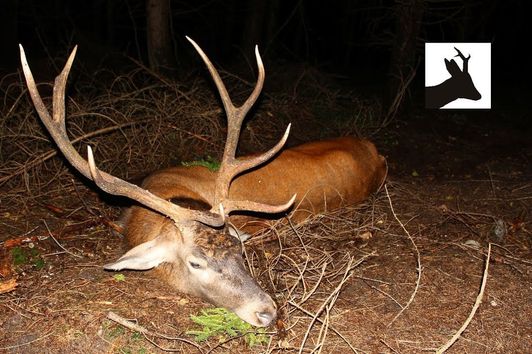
(230, 166)
(55, 125)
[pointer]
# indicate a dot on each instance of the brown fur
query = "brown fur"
(324, 174)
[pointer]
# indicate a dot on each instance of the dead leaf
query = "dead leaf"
(365, 235)
(6, 263)
(8, 285)
(443, 208)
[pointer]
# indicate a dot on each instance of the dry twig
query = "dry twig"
(137, 328)
(15, 346)
(478, 301)
(418, 258)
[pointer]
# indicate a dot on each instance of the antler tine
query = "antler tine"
(56, 125)
(241, 165)
(235, 115)
(235, 205)
(110, 184)
(237, 166)
(230, 167)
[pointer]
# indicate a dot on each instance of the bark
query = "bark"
(260, 25)
(255, 22)
(409, 14)
(160, 50)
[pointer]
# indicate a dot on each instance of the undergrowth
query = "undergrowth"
(222, 324)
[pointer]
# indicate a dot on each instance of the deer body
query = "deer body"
(335, 172)
(323, 174)
(179, 226)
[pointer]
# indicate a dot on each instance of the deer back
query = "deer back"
(324, 174)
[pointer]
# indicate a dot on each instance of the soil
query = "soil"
(457, 182)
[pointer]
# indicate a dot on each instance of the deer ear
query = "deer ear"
(145, 256)
(452, 67)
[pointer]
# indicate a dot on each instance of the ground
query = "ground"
(347, 280)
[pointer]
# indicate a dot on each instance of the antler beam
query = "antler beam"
(55, 125)
(230, 166)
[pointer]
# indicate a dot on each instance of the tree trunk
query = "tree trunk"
(255, 23)
(160, 51)
(9, 33)
(409, 14)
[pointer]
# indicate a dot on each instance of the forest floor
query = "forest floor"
(399, 274)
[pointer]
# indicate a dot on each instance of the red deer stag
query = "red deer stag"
(180, 227)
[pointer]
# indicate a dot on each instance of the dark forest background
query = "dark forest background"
(363, 42)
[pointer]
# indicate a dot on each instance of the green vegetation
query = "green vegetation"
(223, 324)
(119, 277)
(113, 332)
(122, 340)
(27, 256)
(209, 162)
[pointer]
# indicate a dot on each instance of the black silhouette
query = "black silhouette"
(459, 85)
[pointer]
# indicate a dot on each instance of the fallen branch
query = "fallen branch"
(20, 240)
(57, 242)
(418, 280)
(478, 301)
(328, 304)
(51, 153)
(82, 223)
(127, 323)
(67, 230)
(11, 347)
(138, 328)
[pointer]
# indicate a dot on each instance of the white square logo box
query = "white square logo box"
(458, 75)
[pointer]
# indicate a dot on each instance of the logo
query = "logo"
(458, 75)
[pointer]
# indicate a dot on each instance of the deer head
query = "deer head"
(193, 245)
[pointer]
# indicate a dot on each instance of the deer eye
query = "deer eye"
(195, 265)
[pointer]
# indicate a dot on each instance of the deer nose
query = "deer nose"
(266, 317)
